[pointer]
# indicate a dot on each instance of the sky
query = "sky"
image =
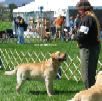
(17, 2)
(2, 0)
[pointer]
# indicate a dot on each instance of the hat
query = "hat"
(84, 4)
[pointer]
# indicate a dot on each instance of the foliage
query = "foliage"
(4, 12)
(11, 7)
(5, 25)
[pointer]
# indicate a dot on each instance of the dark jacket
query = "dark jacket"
(21, 23)
(91, 37)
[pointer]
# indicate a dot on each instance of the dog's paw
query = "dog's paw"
(50, 94)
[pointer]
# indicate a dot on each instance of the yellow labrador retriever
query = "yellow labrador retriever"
(46, 70)
(92, 94)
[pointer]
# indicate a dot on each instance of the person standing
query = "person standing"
(20, 29)
(88, 38)
(15, 25)
(59, 24)
(77, 21)
(31, 25)
(71, 23)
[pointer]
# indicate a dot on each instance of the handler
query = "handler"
(88, 38)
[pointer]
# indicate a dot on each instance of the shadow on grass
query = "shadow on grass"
(56, 92)
(38, 92)
(64, 92)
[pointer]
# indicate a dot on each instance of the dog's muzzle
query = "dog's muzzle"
(63, 58)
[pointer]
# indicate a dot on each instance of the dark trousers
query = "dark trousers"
(89, 60)
(59, 74)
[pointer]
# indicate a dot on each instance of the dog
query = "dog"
(92, 94)
(45, 69)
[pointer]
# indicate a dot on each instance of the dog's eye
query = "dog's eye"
(59, 54)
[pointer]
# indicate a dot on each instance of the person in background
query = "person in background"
(21, 28)
(88, 38)
(75, 27)
(71, 28)
(77, 21)
(46, 24)
(71, 23)
(52, 29)
(31, 25)
(15, 25)
(59, 23)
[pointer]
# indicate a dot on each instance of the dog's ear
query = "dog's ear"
(57, 52)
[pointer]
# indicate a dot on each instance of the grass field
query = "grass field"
(69, 47)
(35, 90)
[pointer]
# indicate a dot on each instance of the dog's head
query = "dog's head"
(58, 56)
(99, 78)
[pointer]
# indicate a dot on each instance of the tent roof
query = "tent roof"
(48, 6)
(52, 5)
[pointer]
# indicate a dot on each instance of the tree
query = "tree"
(11, 7)
(2, 8)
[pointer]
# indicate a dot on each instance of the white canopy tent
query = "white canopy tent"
(58, 6)
(52, 5)
(33, 6)
(48, 5)
(26, 8)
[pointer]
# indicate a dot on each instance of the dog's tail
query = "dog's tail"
(12, 72)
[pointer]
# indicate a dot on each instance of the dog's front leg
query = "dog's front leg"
(49, 86)
(20, 81)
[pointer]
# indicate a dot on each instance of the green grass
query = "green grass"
(69, 47)
(35, 90)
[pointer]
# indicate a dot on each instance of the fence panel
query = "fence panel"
(70, 68)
